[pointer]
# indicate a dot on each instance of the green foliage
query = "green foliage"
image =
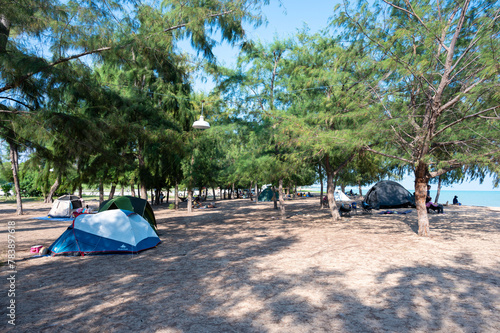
(6, 187)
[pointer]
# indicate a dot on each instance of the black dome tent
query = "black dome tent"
(389, 194)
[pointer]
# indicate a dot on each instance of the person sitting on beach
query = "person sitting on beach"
(196, 202)
(433, 206)
(455, 201)
(428, 197)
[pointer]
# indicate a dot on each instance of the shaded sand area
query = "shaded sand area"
(239, 268)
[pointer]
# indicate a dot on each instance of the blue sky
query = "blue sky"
(285, 18)
(284, 21)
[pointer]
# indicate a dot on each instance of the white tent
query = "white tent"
(65, 206)
(340, 196)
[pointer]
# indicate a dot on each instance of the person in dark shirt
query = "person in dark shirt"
(455, 201)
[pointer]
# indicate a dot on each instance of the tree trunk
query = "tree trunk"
(282, 200)
(168, 194)
(275, 201)
(360, 190)
(4, 35)
(122, 193)
(321, 186)
(144, 191)
(132, 190)
(421, 180)
(213, 193)
(14, 159)
(176, 196)
(112, 191)
(190, 201)
(52, 191)
(101, 192)
(256, 193)
(438, 191)
(80, 191)
(331, 190)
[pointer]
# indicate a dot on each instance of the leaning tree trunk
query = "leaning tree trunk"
(282, 200)
(53, 189)
(14, 158)
(112, 191)
(438, 191)
(132, 190)
(331, 190)
(421, 180)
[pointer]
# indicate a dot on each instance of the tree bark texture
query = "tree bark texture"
(14, 159)
(112, 191)
(321, 205)
(101, 192)
(275, 201)
(421, 180)
(4, 33)
(53, 190)
(190, 201)
(282, 200)
(256, 193)
(331, 190)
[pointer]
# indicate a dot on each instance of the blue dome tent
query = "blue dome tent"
(111, 231)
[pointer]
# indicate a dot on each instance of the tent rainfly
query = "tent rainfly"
(267, 195)
(389, 194)
(134, 204)
(112, 231)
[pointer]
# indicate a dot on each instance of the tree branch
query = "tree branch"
(387, 155)
(102, 49)
(477, 114)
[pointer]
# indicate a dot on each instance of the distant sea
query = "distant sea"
(467, 198)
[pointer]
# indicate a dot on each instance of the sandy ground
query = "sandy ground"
(239, 268)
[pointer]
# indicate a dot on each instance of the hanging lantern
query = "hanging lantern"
(201, 123)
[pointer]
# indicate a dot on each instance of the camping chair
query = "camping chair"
(354, 206)
(366, 208)
(345, 210)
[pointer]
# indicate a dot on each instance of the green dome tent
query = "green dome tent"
(133, 204)
(267, 195)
